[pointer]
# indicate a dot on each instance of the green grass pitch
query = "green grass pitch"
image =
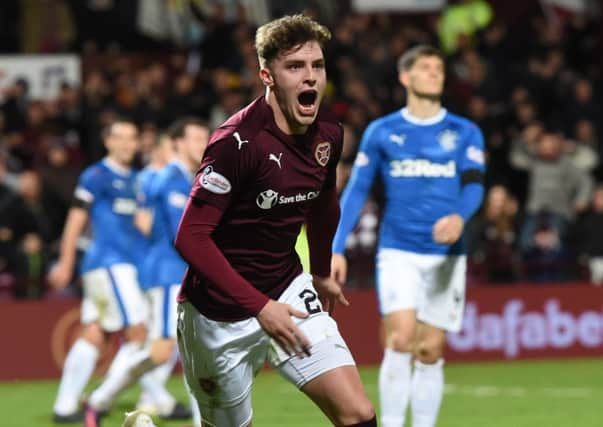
(514, 394)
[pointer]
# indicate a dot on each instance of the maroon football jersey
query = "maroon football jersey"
(264, 181)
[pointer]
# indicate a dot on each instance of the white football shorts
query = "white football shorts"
(220, 359)
(113, 298)
(164, 311)
(433, 285)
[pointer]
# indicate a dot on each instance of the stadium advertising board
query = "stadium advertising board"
(504, 323)
(43, 73)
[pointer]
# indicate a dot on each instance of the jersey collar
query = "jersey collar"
(180, 165)
(115, 167)
(423, 122)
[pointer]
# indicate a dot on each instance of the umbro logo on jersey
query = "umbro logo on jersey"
(275, 158)
(397, 139)
(240, 141)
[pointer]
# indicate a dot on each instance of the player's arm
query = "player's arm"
(76, 221)
(174, 202)
(143, 217)
(195, 244)
(321, 223)
(447, 230)
(354, 196)
(143, 220)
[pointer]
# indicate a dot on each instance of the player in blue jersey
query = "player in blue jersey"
(431, 164)
(164, 267)
(112, 301)
(160, 155)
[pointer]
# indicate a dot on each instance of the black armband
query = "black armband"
(472, 176)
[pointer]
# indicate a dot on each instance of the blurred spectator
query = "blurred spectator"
(492, 239)
(14, 107)
(514, 69)
(459, 23)
(589, 237)
(557, 191)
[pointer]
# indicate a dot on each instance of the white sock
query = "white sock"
(161, 374)
(158, 394)
(119, 378)
(427, 391)
(394, 387)
(77, 370)
(122, 357)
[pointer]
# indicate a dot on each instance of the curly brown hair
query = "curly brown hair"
(287, 33)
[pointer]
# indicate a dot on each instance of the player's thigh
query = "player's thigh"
(163, 307)
(399, 281)
(220, 360)
(127, 297)
(329, 360)
(445, 278)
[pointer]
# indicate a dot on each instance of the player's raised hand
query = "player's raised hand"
(275, 319)
(59, 275)
(339, 268)
(329, 292)
(448, 229)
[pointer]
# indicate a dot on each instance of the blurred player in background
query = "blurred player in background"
(245, 300)
(164, 270)
(161, 153)
(431, 163)
(113, 301)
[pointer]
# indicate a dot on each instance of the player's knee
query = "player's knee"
(136, 333)
(368, 423)
(429, 351)
(401, 342)
(162, 350)
(94, 335)
(362, 413)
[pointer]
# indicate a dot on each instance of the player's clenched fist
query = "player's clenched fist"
(59, 276)
(447, 230)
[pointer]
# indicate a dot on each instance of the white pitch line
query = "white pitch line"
(484, 390)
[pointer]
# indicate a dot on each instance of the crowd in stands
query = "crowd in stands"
(532, 85)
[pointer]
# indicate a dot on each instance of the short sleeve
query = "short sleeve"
(473, 157)
(89, 187)
(144, 181)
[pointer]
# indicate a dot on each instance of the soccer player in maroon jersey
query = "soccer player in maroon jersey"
(245, 299)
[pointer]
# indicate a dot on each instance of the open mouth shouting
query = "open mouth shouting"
(307, 102)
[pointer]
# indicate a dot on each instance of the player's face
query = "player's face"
(298, 79)
(122, 142)
(195, 142)
(425, 78)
